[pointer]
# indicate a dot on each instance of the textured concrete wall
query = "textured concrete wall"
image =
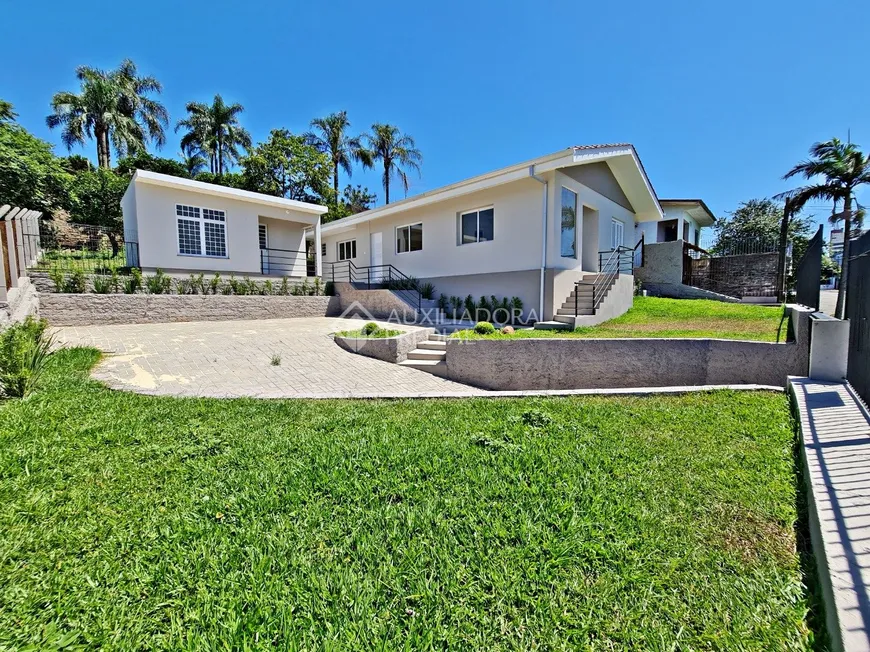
(380, 304)
(84, 309)
(388, 349)
(573, 363)
(21, 302)
(663, 263)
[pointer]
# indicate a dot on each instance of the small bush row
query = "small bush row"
(485, 328)
(371, 330)
(501, 311)
(162, 283)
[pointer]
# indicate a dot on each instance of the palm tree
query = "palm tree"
(193, 161)
(114, 108)
(397, 152)
(214, 132)
(330, 138)
(6, 112)
(842, 167)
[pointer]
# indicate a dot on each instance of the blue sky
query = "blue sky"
(720, 99)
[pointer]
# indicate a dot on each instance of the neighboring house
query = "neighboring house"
(530, 230)
(684, 219)
(181, 225)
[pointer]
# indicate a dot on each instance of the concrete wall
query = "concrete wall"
(153, 224)
(85, 309)
(388, 349)
(574, 363)
(374, 304)
(523, 284)
(22, 301)
(663, 263)
(680, 291)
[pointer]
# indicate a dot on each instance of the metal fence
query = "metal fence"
(858, 314)
(87, 248)
(736, 275)
(808, 273)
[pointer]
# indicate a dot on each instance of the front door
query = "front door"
(376, 253)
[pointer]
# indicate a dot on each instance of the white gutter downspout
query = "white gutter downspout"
(543, 239)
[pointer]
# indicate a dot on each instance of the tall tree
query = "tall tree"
(758, 221)
(287, 166)
(397, 152)
(214, 132)
(30, 174)
(192, 160)
(329, 136)
(6, 112)
(113, 107)
(839, 169)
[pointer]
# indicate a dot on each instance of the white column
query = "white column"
(11, 248)
(3, 299)
(19, 242)
(318, 259)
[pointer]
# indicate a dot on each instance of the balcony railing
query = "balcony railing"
(286, 262)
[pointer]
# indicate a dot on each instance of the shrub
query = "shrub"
(483, 310)
(115, 281)
(133, 283)
(317, 286)
(516, 309)
(197, 284)
(370, 328)
(507, 330)
(329, 289)
(102, 284)
(284, 290)
(183, 286)
(77, 283)
(268, 287)
(57, 277)
(443, 301)
(160, 283)
(275, 361)
(484, 328)
(24, 350)
(455, 305)
(427, 291)
(470, 306)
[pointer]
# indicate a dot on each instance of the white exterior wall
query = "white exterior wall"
(149, 213)
(608, 210)
(650, 229)
(516, 243)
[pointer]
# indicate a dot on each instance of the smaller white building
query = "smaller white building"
(683, 220)
(181, 225)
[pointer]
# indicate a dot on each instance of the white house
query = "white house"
(683, 220)
(531, 230)
(181, 225)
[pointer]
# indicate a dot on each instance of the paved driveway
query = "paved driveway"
(232, 358)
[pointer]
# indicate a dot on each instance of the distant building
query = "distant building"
(835, 244)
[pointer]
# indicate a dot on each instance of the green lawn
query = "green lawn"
(655, 317)
(656, 523)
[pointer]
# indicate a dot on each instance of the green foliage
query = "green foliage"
(133, 283)
(228, 179)
(57, 277)
(76, 283)
(470, 306)
(757, 223)
(214, 283)
(7, 114)
(443, 302)
(484, 328)
(30, 174)
(397, 153)
(95, 198)
(24, 350)
(101, 284)
(142, 160)
(369, 328)
(536, 419)
(626, 522)
(275, 360)
(829, 267)
(286, 166)
(372, 333)
(214, 133)
(160, 283)
(427, 290)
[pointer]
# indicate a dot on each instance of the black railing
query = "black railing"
(808, 273)
(375, 277)
(66, 247)
(610, 265)
(858, 314)
(284, 262)
(738, 275)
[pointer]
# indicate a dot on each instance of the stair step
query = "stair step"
(581, 303)
(425, 354)
(551, 326)
(570, 311)
(436, 367)
(565, 319)
(437, 337)
(437, 345)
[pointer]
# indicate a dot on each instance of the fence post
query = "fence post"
(11, 249)
(4, 271)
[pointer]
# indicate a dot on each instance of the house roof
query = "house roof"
(699, 211)
(169, 181)
(622, 157)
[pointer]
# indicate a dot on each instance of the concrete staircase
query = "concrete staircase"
(564, 317)
(430, 355)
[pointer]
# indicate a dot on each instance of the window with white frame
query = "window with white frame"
(201, 231)
(476, 226)
(409, 238)
(346, 249)
(617, 233)
(264, 236)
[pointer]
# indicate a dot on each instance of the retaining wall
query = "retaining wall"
(389, 349)
(576, 363)
(86, 309)
(380, 304)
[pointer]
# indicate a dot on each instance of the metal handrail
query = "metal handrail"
(609, 270)
(378, 275)
(273, 261)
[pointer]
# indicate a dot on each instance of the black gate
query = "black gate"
(808, 273)
(858, 314)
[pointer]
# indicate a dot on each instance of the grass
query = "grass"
(656, 317)
(138, 522)
(380, 333)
